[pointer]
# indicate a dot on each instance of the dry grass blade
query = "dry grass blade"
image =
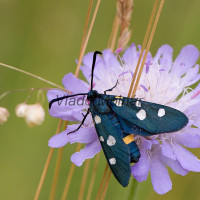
(124, 12)
(57, 170)
(94, 172)
(46, 166)
(106, 185)
(102, 182)
(34, 76)
(84, 34)
(87, 37)
(144, 45)
(37, 194)
(69, 178)
(113, 35)
(56, 174)
(148, 45)
(85, 174)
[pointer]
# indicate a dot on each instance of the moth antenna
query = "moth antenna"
(93, 65)
(111, 88)
(64, 97)
(84, 118)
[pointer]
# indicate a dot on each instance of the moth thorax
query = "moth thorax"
(101, 105)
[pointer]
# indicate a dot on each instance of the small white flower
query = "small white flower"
(34, 115)
(4, 114)
(21, 109)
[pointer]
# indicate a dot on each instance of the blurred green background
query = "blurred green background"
(43, 37)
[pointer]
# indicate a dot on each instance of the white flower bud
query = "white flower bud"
(21, 109)
(34, 115)
(4, 114)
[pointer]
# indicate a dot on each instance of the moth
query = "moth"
(117, 118)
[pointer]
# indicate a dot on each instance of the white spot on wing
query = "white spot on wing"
(141, 114)
(138, 103)
(111, 140)
(101, 138)
(118, 102)
(97, 119)
(161, 112)
(112, 161)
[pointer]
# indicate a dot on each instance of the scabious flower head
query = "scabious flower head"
(33, 114)
(164, 81)
(4, 114)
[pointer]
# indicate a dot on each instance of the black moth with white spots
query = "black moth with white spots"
(117, 118)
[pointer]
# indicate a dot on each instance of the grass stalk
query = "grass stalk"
(102, 181)
(46, 166)
(94, 172)
(57, 170)
(84, 179)
(70, 175)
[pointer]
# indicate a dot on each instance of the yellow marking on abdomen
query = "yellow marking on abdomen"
(128, 139)
(119, 97)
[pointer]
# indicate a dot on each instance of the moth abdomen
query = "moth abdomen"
(134, 150)
(127, 138)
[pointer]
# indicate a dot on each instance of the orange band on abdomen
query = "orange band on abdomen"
(128, 139)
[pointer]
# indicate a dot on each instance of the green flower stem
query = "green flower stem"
(133, 190)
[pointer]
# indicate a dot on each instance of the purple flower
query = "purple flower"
(166, 82)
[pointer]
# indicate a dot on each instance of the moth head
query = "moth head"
(92, 95)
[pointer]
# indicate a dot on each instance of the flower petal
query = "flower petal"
(185, 60)
(164, 57)
(159, 176)
(88, 59)
(167, 150)
(147, 144)
(83, 135)
(59, 140)
(89, 151)
(191, 77)
(130, 56)
(141, 168)
(190, 138)
(174, 165)
(55, 93)
(67, 109)
(142, 178)
(86, 72)
(110, 60)
(86, 68)
(188, 160)
(74, 84)
(65, 114)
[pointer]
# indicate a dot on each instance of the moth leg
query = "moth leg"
(84, 118)
(109, 90)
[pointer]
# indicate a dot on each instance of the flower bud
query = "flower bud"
(4, 114)
(21, 109)
(34, 115)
